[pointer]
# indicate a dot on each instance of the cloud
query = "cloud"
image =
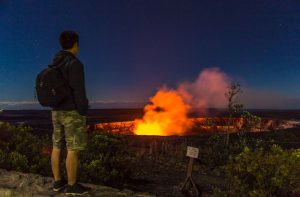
(16, 105)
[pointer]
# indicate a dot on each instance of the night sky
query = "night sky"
(130, 48)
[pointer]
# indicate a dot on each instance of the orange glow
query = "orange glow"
(166, 115)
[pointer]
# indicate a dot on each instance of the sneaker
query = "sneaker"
(77, 189)
(59, 185)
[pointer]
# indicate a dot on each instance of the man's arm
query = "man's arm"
(77, 84)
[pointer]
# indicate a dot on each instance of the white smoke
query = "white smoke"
(207, 91)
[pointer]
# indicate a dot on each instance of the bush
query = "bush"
(17, 161)
(273, 172)
(106, 159)
(21, 150)
(216, 153)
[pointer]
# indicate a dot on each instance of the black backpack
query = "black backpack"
(51, 87)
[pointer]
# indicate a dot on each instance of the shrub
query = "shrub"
(21, 150)
(216, 152)
(106, 159)
(274, 172)
(18, 161)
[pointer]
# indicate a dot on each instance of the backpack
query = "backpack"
(51, 87)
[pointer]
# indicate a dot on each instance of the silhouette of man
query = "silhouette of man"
(69, 118)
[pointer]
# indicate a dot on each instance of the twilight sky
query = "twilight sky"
(130, 48)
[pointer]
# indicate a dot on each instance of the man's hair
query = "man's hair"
(67, 39)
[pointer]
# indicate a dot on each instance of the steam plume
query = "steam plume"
(167, 112)
(207, 90)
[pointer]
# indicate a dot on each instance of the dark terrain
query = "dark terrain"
(161, 164)
(40, 120)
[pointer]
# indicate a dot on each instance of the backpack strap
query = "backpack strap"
(59, 66)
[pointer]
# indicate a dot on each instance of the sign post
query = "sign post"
(189, 184)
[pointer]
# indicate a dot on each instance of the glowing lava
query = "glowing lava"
(166, 115)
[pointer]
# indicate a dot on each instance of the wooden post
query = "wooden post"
(190, 167)
(189, 184)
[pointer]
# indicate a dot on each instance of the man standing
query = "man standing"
(69, 118)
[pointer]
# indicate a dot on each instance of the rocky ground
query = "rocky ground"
(17, 184)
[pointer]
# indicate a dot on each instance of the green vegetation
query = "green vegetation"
(221, 147)
(273, 172)
(20, 150)
(233, 106)
(249, 165)
(105, 161)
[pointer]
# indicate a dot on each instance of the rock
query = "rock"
(17, 184)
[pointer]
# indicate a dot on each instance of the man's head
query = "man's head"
(69, 40)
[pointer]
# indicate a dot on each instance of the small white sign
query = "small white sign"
(192, 152)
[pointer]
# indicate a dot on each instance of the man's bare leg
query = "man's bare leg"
(72, 166)
(55, 163)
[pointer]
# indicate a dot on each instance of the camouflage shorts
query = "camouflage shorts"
(69, 127)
